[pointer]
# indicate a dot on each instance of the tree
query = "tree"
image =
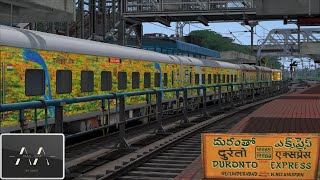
(272, 62)
(215, 41)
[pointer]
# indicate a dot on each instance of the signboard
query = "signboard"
(309, 21)
(115, 60)
(268, 156)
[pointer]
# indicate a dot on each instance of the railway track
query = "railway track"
(167, 157)
(172, 161)
(151, 155)
(78, 155)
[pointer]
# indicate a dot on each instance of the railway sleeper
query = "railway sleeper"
(175, 158)
(139, 177)
(184, 151)
(158, 169)
(170, 161)
(164, 165)
(188, 143)
(152, 174)
(174, 154)
(191, 146)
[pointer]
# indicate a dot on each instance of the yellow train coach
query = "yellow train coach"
(37, 65)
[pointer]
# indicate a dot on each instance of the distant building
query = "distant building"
(161, 43)
(170, 45)
(155, 35)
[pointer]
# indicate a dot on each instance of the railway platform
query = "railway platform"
(296, 112)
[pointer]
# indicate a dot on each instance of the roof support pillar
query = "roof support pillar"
(139, 34)
(81, 14)
(103, 10)
(122, 25)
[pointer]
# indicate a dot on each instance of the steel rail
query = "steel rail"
(176, 138)
(159, 145)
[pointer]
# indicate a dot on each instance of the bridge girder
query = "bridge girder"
(286, 42)
(190, 10)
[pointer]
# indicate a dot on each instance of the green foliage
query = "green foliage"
(272, 62)
(215, 41)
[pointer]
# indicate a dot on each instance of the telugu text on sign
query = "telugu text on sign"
(268, 156)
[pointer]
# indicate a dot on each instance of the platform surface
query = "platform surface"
(298, 112)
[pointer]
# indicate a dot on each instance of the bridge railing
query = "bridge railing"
(268, 87)
(186, 5)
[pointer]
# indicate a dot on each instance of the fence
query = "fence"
(242, 90)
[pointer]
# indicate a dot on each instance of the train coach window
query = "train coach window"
(187, 76)
(165, 79)
(209, 78)
(106, 80)
(63, 81)
(122, 80)
(87, 81)
(214, 78)
(197, 79)
(223, 78)
(228, 78)
(156, 79)
(203, 76)
(219, 78)
(172, 78)
(232, 79)
(35, 82)
(135, 80)
(147, 80)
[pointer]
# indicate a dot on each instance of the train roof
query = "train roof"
(209, 63)
(276, 70)
(23, 38)
(203, 62)
(261, 68)
(44, 41)
(227, 65)
(190, 61)
(247, 67)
